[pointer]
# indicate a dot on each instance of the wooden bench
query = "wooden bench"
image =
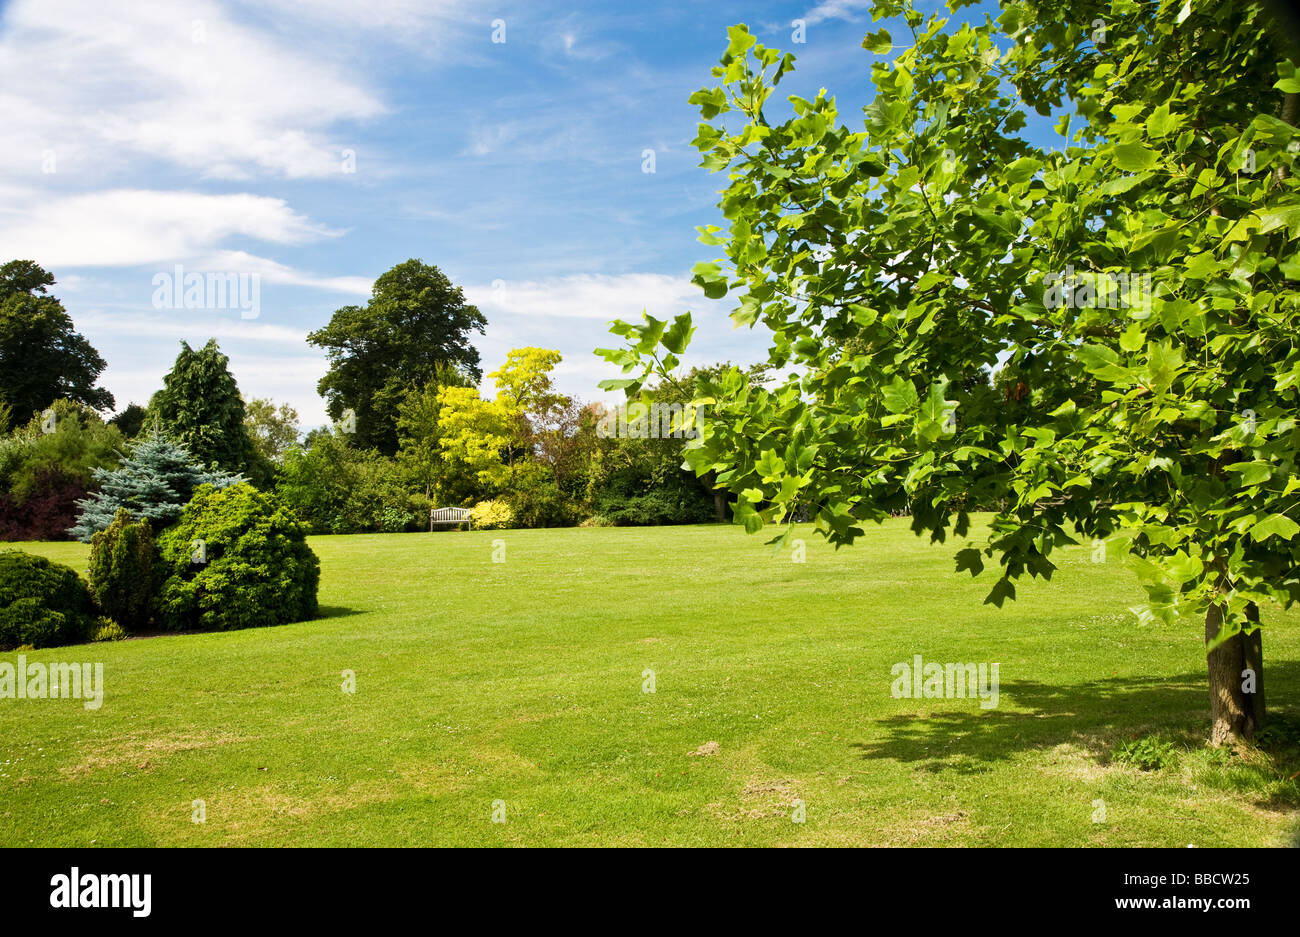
(449, 516)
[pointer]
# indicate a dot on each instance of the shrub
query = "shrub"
(107, 630)
(597, 520)
(42, 604)
(338, 489)
(46, 510)
(154, 482)
(123, 571)
(395, 520)
(541, 504)
(491, 515)
(237, 558)
(47, 464)
(657, 506)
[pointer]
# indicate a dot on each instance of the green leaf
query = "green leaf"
(710, 278)
(741, 40)
(679, 335)
(1133, 157)
(1183, 568)
(1100, 361)
(899, 396)
(1162, 123)
(1275, 525)
(862, 315)
(1252, 473)
(770, 465)
(878, 43)
(1022, 169)
(1288, 216)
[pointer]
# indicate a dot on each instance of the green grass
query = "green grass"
(522, 682)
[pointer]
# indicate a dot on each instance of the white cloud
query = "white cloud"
(271, 272)
(587, 296)
(836, 9)
(125, 227)
(486, 140)
(98, 84)
(187, 325)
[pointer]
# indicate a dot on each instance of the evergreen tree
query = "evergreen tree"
(155, 482)
(201, 409)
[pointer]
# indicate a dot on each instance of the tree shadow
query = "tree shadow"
(335, 611)
(1091, 715)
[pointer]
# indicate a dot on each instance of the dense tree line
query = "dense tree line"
(411, 432)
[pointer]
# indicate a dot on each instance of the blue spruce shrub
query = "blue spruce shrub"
(155, 483)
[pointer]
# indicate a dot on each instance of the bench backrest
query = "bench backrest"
(448, 514)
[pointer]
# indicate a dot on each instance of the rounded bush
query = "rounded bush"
(123, 571)
(107, 630)
(42, 604)
(491, 515)
(541, 504)
(237, 558)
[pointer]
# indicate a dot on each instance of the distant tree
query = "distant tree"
(200, 408)
(419, 453)
(526, 389)
(24, 276)
(68, 436)
(476, 438)
(524, 382)
(130, 421)
(155, 482)
(123, 572)
(415, 321)
(42, 359)
(271, 429)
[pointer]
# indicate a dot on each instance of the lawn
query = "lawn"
(523, 682)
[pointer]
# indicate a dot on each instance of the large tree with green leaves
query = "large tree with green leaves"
(201, 409)
(1132, 281)
(42, 357)
(415, 322)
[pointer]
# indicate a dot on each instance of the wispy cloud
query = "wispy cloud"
(183, 82)
(837, 10)
(129, 227)
(585, 296)
(271, 272)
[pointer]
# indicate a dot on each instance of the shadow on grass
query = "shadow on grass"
(335, 611)
(1091, 715)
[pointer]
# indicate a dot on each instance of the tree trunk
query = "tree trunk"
(720, 506)
(719, 496)
(1253, 652)
(1235, 713)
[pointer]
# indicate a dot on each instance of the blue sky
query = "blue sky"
(217, 136)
